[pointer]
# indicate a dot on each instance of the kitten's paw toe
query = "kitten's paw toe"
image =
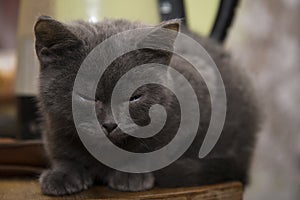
(59, 183)
(131, 182)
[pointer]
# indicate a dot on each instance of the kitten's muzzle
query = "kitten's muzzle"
(109, 126)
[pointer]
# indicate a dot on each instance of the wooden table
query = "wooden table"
(15, 162)
(29, 189)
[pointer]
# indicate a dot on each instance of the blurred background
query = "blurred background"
(263, 38)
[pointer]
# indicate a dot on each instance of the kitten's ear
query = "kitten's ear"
(163, 34)
(173, 24)
(53, 39)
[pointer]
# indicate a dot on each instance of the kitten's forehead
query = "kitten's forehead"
(95, 33)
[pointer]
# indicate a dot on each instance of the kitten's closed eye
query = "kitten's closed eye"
(135, 98)
(84, 97)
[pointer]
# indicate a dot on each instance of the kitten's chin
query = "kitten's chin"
(117, 137)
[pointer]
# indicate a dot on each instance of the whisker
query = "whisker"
(143, 143)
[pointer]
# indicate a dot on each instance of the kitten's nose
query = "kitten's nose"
(109, 126)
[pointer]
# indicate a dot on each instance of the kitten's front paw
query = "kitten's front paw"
(130, 182)
(59, 183)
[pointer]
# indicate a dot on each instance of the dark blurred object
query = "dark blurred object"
(224, 18)
(171, 9)
(21, 157)
(8, 126)
(28, 118)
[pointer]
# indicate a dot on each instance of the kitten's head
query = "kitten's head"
(61, 49)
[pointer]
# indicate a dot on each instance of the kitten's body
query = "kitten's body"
(62, 48)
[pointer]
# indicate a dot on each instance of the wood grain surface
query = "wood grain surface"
(23, 189)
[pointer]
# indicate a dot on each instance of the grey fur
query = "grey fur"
(61, 48)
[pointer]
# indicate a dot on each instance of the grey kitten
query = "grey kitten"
(61, 48)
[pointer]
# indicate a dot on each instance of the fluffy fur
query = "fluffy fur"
(61, 48)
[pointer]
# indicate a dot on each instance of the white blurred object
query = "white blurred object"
(266, 41)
